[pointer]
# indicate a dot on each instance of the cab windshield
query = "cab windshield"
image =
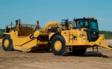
(87, 24)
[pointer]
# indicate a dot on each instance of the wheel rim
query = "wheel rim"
(58, 45)
(6, 43)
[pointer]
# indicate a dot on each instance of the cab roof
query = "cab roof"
(77, 19)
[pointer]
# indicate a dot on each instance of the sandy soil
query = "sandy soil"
(20, 60)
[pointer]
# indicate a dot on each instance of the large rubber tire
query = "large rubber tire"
(79, 52)
(61, 50)
(9, 47)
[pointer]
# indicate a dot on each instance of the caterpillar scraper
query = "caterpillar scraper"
(60, 37)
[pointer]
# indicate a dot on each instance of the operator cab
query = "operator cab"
(91, 26)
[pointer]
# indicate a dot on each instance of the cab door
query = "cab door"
(93, 31)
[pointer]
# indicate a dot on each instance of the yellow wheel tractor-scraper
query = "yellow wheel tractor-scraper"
(60, 37)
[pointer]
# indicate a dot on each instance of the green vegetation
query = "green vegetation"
(108, 34)
(1, 32)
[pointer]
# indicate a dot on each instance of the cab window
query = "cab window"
(94, 25)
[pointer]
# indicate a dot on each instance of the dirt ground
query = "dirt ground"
(20, 60)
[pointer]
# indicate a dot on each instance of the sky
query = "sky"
(29, 11)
